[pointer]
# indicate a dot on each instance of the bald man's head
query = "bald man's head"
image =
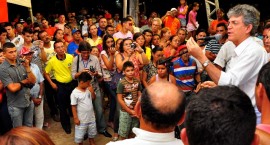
(162, 105)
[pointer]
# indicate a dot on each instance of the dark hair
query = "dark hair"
(2, 30)
(161, 119)
(84, 46)
(124, 20)
(9, 24)
(264, 78)
(39, 33)
(8, 45)
(201, 30)
(171, 38)
(182, 29)
(127, 64)
(27, 30)
(68, 25)
(89, 34)
(104, 45)
(137, 35)
(54, 34)
(222, 115)
(84, 77)
(222, 25)
(17, 24)
(121, 48)
(156, 35)
(161, 62)
(55, 42)
(108, 26)
(265, 27)
(155, 50)
(147, 31)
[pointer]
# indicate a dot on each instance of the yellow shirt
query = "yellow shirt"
(61, 69)
(148, 52)
(94, 43)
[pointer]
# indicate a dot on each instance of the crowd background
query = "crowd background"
(102, 44)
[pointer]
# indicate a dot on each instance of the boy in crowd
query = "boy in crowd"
(128, 93)
(82, 109)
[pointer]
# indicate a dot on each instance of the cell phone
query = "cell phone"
(92, 69)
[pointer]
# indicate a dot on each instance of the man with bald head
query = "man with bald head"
(159, 112)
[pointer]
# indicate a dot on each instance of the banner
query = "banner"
(3, 11)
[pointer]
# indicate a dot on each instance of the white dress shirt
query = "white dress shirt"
(244, 66)
(149, 138)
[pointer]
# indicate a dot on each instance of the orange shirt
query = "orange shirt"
(214, 24)
(172, 23)
(50, 31)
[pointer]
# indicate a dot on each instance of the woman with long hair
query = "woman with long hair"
(162, 73)
(171, 49)
(140, 39)
(108, 66)
(165, 36)
(151, 69)
(93, 38)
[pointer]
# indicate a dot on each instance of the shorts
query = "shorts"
(81, 129)
(190, 27)
(126, 123)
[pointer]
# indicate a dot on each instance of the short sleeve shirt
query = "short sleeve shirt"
(129, 91)
(83, 101)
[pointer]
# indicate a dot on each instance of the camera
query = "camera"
(22, 60)
(92, 69)
(133, 45)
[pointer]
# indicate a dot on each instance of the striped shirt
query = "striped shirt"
(213, 46)
(185, 74)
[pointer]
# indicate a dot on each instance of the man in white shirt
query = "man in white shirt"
(248, 56)
(159, 112)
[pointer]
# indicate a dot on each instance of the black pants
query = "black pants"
(51, 98)
(63, 97)
(5, 120)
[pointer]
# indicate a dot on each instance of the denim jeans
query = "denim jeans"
(22, 116)
(100, 119)
(112, 94)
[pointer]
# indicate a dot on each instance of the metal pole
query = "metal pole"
(31, 15)
(124, 8)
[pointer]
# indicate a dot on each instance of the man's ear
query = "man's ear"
(256, 140)
(184, 137)
(182, 119)
(137, 109)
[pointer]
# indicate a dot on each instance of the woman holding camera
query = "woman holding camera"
(128, 50)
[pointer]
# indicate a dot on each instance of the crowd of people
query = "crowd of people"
(165, 80)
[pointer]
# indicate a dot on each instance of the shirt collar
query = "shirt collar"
(242, 46)
(151, 136)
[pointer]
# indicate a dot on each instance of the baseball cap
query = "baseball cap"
(76, 30)
(181, 47)
(25, 51)
(173, 9)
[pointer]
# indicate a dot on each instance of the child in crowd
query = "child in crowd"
(128, 93)
(82, 109)
(162, 73)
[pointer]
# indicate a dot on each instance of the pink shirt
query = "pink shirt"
(181, 9)
(192, 15)
(123, 36)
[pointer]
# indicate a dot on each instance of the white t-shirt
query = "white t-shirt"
(83, 100)
(123, 36)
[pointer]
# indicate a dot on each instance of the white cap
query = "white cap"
(173, 9)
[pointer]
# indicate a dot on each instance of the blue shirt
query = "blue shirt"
(72, 47)
(39, 78)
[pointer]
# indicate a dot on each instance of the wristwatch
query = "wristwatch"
(206, 63)
(39, 96)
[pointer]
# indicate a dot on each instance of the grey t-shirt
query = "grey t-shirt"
(14, 74)
(83, 100)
